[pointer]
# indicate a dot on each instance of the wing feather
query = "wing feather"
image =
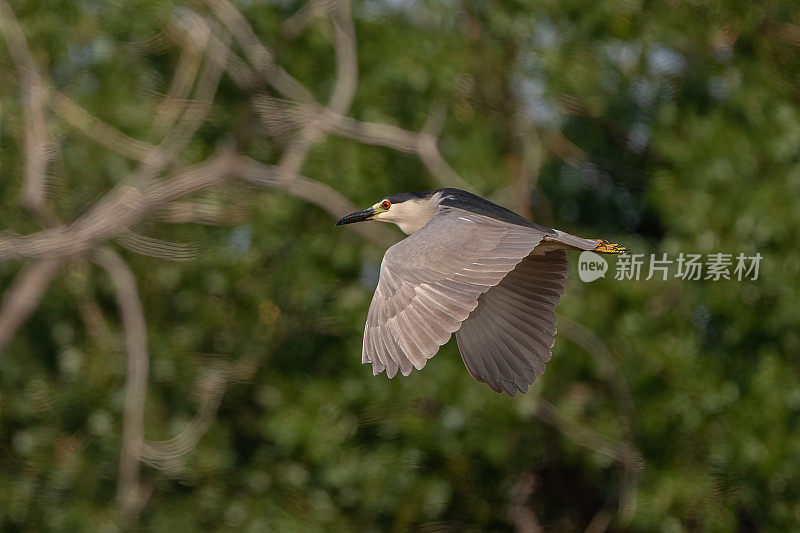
(515, 323)
(431, 282)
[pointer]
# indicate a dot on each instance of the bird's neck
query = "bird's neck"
(414, 215)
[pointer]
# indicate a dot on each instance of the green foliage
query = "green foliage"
(687, 119)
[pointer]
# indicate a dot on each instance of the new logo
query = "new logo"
(591, 266)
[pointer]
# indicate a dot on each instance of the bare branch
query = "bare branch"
(341, 97)
(24, 295)
(155, 157)
(80, 287)
(370, 132)
(33, 92)
(596, 348)
(201, 212)
(424, 143)
(129, 492)
(603, 358)
(582, 435)
(311, 191)
(785, 31)
(439, 168)
(258, 54)
(97, 130)
(237, 68)
(171, 251)
(205, 90)
(117, 211)
(519, 510)
(140, 194)
(95, 323)
(184, 76)
(125, 206)
(346, 58)
(285, 176)
(168, 455)
(568, 151)
(297, 23)
(317, 119)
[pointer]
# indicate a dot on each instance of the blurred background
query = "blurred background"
(180, 328)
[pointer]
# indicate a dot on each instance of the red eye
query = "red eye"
(386, 205)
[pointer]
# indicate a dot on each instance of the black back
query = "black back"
(474, 203)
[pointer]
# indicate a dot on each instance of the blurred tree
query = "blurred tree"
(152, 128)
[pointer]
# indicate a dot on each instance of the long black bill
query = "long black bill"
(358, 216)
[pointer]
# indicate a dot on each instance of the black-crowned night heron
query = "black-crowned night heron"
(470, 267)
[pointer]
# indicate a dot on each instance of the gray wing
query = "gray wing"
(507, 339)
(430, 282)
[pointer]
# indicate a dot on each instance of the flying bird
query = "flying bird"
(473, 268)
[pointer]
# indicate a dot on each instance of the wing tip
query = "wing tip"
(510, 387)
(391, 370)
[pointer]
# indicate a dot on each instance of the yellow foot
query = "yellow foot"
(606, 247)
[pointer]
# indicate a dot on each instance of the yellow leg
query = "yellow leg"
(605, 247)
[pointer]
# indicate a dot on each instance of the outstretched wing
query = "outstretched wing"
(507, 339)
(430, 282)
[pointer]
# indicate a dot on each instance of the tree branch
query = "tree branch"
(97, 130)
(332, 119)
(33, 92)
(24, 295)
(311, 191)
(167, 455)
(520, 512)
(258, 54)
(129, 492)
(118, 210)
(186, 72)
(603, 358)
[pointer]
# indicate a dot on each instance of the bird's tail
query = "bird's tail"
(605, 247)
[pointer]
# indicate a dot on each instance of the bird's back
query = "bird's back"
(475, 204)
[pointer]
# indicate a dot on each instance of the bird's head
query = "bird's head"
(410, 211)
